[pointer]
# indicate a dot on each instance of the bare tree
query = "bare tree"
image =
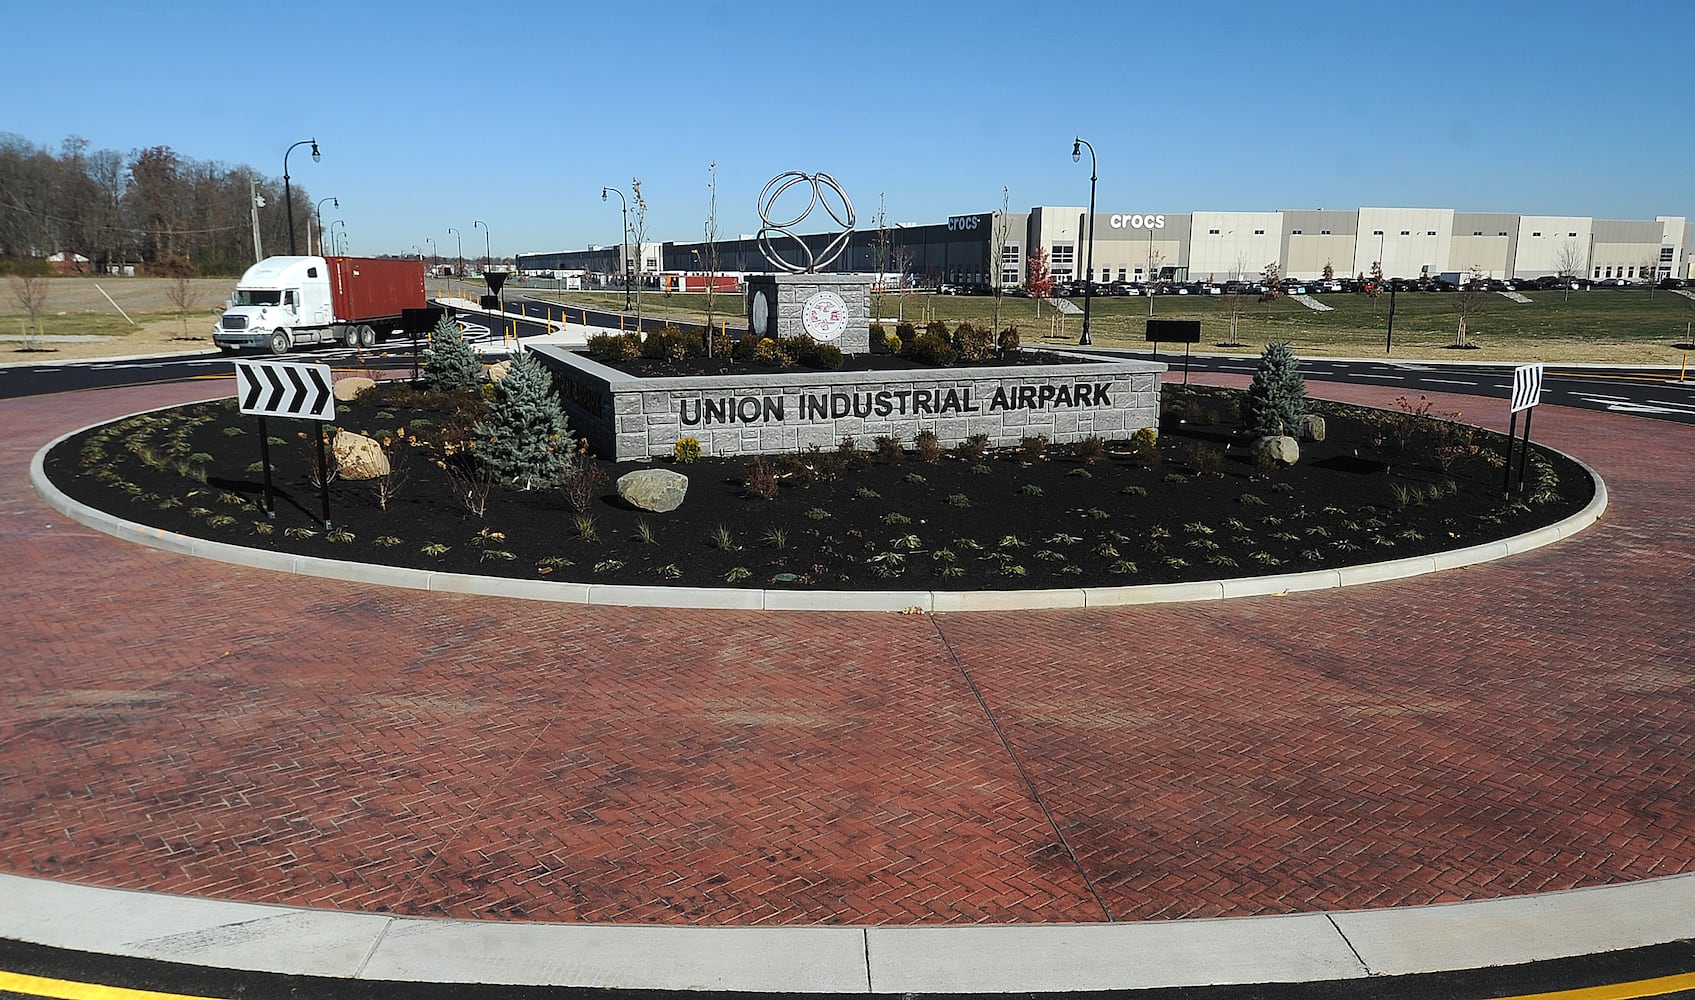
(1468, 302)
(1649, 271)
(903, 261)
(29, 291)
(711, 261)
(1155, 260)
(997, 254)
(638, 232)
(1569, 262)
(1237, 302)
(181, 293)
(881, 247)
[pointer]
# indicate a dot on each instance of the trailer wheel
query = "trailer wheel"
(281, 342)
(367, 337)
(350, 336)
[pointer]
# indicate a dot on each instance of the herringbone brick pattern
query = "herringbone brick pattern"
(184, 726)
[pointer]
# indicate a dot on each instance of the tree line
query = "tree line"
(151, 207)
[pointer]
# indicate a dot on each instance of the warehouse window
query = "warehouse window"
(1259, 232)
(1571, 234)
(1377, 232)
(1294, 232)
(1536, 234)
(1431, 233)
(1478, 233)
(1597, 272)
(1324, 232)
(1212, 232)
(1666, 254)
(1406, 232)
(1501, 233)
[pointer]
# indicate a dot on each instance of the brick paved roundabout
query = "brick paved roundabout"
(192, 727)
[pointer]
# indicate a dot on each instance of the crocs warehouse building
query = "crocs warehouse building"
(1193, 246)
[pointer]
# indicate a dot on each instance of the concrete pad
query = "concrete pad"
(775, 959)
(490, 586)
(847, 600)
(629, 596)
(1394, 569)
(1006, 600)
(1396, 942)
(108, 921)
(1166, 593)
(1287, 583)
(301, 942)
(1299, 948)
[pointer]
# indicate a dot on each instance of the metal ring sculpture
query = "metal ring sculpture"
(820, 184)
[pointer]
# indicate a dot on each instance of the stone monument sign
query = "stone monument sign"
(829, 308)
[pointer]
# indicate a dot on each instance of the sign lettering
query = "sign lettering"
(1137, 222)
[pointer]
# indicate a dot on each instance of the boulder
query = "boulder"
(348, 389)
(658, 490)
(498, 372)
(1282, 448)
(1314, 429)
(358, 457)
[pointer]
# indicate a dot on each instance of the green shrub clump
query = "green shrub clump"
(686, 450)
(450, 364)
(1277, 398)
(526, 440)
(972, 342)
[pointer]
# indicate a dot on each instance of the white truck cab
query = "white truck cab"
(279, 302)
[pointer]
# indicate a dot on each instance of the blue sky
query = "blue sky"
(436, 115)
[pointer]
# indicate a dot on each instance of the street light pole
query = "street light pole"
(318, 211)
(334, 243)
(431, 240)
(459, 270)
(288, 192)
(625, 243)
(1089, 262)
(487, 247)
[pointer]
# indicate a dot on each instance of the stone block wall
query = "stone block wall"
(624, 417)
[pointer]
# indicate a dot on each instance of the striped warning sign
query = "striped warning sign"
(1527, 387)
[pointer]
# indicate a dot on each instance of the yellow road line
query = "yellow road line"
(1622, 991)
(65, 989)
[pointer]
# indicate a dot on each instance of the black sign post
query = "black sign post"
(287, 389)
(1527, 392)
(1176, 331)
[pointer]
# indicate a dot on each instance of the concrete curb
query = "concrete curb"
(929, 601)
(1038, 958)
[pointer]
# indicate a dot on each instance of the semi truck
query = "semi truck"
(287, 302)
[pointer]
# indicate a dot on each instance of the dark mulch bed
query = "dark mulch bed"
(1195, 508)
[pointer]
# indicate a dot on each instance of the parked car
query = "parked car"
(1669, 284)
(948, 289)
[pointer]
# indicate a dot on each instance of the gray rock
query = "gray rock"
(1314, 429)
(658, 490)
(358, 457)
(1281, 448)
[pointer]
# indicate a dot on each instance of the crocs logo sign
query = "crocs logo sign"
(963, 223)
(1137, 222)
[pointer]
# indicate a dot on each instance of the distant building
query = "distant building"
(1210, 246)
(66, 262)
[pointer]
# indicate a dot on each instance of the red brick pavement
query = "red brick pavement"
(185, 726)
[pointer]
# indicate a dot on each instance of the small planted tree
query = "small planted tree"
(526, 440)
(451, 365)
(1039, 284)
(1277, 398)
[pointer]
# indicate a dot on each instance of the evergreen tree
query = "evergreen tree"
(1277, 399)
(450, 363)
(526, 440)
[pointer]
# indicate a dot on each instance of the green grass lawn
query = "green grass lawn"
(1608, 326)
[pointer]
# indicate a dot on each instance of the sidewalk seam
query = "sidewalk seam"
(1366, 968)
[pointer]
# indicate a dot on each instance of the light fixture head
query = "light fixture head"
(315, 156)
(602, 194)
(1076, 150)
(336, 202)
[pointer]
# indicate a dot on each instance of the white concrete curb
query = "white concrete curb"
(1293, 948)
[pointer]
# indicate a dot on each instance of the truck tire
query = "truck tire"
(350, 336)
(281, 342)
(367, 337)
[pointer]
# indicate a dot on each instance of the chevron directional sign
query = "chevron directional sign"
(1527, 387)
(284, 389)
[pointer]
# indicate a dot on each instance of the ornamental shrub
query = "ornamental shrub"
(526, 440)
(930, 349)
(450, 364)
(1009, 342)
(1277, 399)
(686, 450)
(972, 342)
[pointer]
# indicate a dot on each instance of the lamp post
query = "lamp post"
(459, 269)
(288, 192)
(1089, 262)
(488, 252)
(418, 250)
(335, 244)
(318, 212)
(624, 261)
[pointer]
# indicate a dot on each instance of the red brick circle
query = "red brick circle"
(191, 727)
